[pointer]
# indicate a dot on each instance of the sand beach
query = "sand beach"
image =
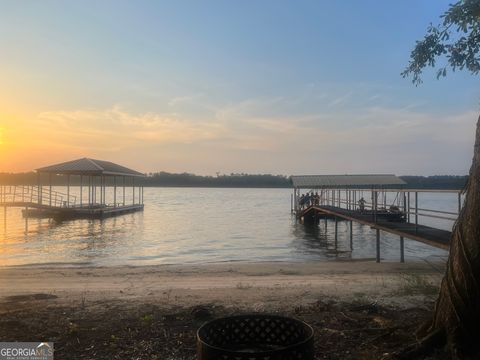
(157, 309)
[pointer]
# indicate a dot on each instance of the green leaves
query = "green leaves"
(459, 47)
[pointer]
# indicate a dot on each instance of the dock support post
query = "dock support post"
(294, 207)
(402, 250)
(39, 191)
(378, 245)
(104, 193)
(114, 191)
(68, 190)
(26, 219)
(405, 205)
(95, 190)
(416, 211)
(50, 189)
(133, 190)
(336, 231)
(81, 190)
(124, 191)
(90, 191)
(104, 190)
(408, 206)
(351, 235)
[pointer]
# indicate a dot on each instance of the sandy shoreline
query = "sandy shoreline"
(357, 309)
(257, 286)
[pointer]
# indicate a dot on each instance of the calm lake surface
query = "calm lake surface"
(204, 225)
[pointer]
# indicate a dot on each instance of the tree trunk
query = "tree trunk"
(457, 310)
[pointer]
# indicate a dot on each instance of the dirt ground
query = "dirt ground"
(358, 311)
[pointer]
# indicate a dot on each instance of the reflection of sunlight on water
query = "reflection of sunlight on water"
(196, 225)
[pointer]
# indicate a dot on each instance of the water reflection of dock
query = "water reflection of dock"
(389, 207)
(90, 180)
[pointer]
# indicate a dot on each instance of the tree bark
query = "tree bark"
(457, 310)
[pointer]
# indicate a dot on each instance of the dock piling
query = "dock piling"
(351, 235)
(378, 245)
(402, 249)
(26, 220)
(416, 211)
(336, 231)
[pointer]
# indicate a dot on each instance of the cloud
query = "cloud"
(256, 135)
(341, 100)
(179, 100)
(117, 127)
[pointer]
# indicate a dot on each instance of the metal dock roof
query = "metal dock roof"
(86, 166)
(343, 181)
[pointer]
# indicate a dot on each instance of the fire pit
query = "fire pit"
(265, 337)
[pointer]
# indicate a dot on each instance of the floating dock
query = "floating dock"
(34, 211)
(91, 199)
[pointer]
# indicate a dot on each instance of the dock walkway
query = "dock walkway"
(425, 234)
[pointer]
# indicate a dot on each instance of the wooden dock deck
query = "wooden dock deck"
(60, 206)
(425, 234)
(86, 212)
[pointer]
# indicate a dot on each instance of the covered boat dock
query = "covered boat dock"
(381, 202)
(94, 189)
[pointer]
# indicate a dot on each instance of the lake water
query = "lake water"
(203, 225)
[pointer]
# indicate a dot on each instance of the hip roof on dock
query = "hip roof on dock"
(86, 166)
(346, 181)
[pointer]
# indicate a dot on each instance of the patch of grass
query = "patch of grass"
(359, 295)
(147, 319)
(417, 284)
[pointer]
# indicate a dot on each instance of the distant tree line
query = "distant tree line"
(165, 179)
(436, 182)
(232, 180)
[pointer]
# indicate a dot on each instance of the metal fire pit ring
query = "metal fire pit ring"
(256, 336)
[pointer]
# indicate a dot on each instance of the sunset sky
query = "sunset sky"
(282, 87)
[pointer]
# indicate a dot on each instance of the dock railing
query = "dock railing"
(32, 194)
(401, 200)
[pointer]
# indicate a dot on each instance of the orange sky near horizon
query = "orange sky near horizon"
(25, 145)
